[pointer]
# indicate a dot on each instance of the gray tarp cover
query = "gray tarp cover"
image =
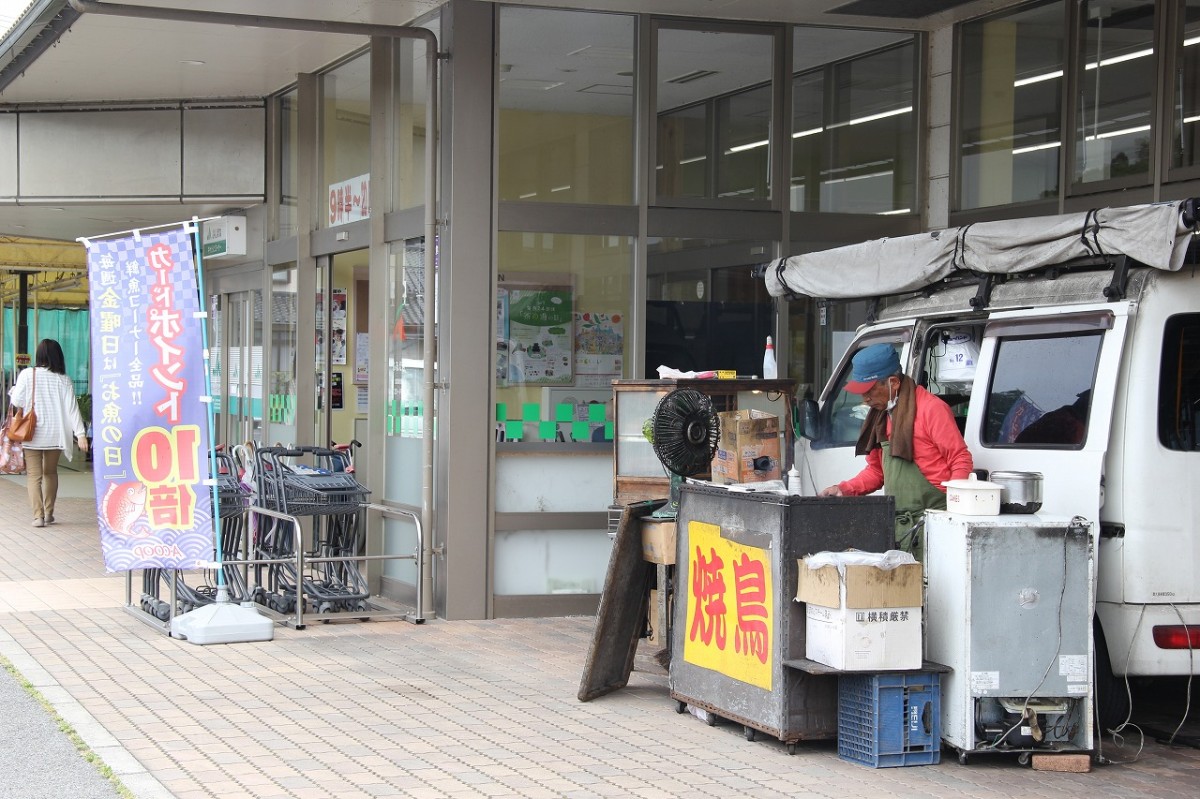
(1152, 234)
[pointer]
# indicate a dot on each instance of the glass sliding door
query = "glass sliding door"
(341, 328)
(281, 373)
(237, 365)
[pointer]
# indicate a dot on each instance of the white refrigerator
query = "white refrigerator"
(1009, 606)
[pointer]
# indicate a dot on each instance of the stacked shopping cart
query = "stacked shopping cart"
(316, 483)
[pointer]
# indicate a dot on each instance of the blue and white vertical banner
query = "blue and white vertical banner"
(150, 424)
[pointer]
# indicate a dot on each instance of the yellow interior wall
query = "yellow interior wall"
(540, 152)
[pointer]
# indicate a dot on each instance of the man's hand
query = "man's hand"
(832, 491)
(82, 442)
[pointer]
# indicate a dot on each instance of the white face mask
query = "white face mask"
(891, 403)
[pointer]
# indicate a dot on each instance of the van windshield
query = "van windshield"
(1041, 391)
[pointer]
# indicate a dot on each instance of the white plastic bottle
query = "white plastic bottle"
(770, 372)
(793, 480)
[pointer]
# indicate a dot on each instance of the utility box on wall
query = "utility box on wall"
(223, 236)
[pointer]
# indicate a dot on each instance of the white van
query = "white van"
(1086, 369)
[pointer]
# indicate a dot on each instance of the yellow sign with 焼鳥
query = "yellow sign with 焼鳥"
(729, 607)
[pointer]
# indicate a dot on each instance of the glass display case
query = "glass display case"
(637, 472)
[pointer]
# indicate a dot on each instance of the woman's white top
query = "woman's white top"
(55, 406)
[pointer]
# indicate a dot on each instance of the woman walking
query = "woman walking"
(51, 393)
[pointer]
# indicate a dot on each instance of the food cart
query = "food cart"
(736, 625)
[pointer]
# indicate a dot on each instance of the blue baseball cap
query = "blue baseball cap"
(870, 365)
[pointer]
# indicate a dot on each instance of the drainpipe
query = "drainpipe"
(431, 85)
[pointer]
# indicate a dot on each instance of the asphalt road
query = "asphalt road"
(37, 759)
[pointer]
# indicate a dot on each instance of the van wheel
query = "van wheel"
(1112, 702)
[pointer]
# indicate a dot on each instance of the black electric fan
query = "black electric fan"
(683, 431)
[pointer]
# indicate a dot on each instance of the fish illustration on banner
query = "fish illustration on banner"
(150, 423)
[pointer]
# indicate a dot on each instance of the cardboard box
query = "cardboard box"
(654, 636)
(748, 450)
(868, 620)
(658, 541)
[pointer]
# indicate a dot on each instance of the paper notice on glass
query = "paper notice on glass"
(362, 356)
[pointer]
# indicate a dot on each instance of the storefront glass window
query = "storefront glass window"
(404, 404)
(566, 106)
(562, 316)
(1010, 107)
(289, 147)
(562, 327)
(704, 307)
(714, 114)
(406, 342)
(281, 396)
(1116, 70)
(346, 142)
(1186, 122)
(853, 137)
(409, 105)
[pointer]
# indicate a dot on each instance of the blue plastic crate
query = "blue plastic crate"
(890, 719)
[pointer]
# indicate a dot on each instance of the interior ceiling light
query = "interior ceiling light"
(1123, 132)
(1033, 148)
(1037, 78)
(1117, 59)
(608, 88)
(592, 51)
(872, 117)
(529, 83)
(192, 63)
(695, 74)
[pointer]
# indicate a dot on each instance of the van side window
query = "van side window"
(1041, 391)
(948, 366)
(1179, 384)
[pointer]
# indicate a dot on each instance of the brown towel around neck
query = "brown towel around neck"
(874, 429)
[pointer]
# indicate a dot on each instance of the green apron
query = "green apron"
(913, 494)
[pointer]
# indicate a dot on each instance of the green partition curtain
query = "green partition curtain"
(71, 328)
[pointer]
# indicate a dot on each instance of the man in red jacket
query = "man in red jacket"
(910, 438)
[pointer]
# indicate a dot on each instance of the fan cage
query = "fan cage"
(686, 429)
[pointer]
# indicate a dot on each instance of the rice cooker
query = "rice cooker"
(972, 496)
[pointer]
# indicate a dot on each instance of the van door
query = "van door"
(1046, 403)
(825, 455)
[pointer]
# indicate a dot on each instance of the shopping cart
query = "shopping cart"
(326, 492)
(233, 499)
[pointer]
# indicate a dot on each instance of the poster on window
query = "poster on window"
(337, 396)
(337, 333)
(599, 346)
(501, 336)
(362, 357)
(539, 347)
(153, 509)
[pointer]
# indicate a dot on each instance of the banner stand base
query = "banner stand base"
(222, 623)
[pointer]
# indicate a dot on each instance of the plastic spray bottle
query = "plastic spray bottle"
(770, 371)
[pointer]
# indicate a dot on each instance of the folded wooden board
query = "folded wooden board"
(621, 617)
